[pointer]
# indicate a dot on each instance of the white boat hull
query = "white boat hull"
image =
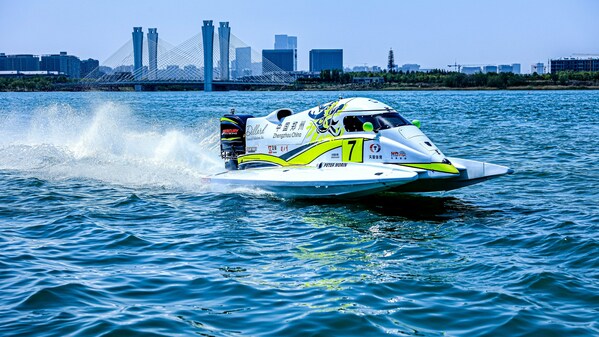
(346, 181)
(354, 180)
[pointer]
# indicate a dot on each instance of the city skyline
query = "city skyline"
(429, 33)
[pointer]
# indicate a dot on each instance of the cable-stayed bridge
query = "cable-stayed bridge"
(213, 59)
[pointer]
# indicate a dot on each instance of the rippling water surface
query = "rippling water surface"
(106, 228)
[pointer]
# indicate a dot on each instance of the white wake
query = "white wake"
(108, 144)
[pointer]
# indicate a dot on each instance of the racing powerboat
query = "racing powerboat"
(346, 148)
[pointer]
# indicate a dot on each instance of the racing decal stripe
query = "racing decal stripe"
(312, 153)
(225, 119)
(439, 167)
(263, 158)
(304, 158)
(297, 151)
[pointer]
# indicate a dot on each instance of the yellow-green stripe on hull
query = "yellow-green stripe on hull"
(438, 167)
(303, 158)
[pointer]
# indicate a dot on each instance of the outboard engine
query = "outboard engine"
(232, 138)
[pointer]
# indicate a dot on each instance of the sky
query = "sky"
(432, 33)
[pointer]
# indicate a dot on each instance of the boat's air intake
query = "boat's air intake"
(232, 138)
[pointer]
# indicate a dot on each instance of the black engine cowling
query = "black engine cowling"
(232, 138)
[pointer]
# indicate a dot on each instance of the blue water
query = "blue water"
(107, 230)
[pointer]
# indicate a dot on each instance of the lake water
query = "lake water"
(106, 228)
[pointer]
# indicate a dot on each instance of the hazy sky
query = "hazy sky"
(432, 33)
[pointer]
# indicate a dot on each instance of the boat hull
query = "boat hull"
(346, 180)
(343, 181)
(470, 172)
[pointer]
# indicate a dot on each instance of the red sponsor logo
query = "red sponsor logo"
(230, 131)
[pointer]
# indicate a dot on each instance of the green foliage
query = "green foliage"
(442, 78)
(37, 83)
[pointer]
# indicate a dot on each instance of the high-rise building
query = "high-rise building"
(489, 69)
(292, 42)
(284, 41)
(470, 70)
(516, 68)
(90, 68)
(326, 59)
(538, 68)
(276, 60)
(360, 69)
(410, 67)
(208, 41)
(22, 62)
(224, 37)
(505, 68)
(243, 62)
(574, 64)
(152, 52)
(256, 68)
(63, 63)
(138, 42)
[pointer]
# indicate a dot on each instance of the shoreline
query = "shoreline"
(339, 88)
(533, 88)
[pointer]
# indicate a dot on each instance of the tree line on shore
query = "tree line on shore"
(34, 83)
(345, 80)
(450, 79)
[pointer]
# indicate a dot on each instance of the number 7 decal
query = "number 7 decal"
(352, 150)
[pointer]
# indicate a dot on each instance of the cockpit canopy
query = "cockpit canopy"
(380, 121)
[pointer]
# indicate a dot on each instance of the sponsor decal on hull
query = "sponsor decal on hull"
(321, 165)
(287, 135)
(255, 131)
(375, 148)
(398, 155)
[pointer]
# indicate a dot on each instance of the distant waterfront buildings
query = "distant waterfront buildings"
(364, 68)
(90, 68)
(574, 64)
(256, 68)
(516, 68)
(69, 65)
(19, 62)
(471, 70)
(243, 62)
(504, 68)
(275, 60)
(283, 41)
(489, 69)
(410, 67)
(538, 68)
(360, 69)
(326, 59)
